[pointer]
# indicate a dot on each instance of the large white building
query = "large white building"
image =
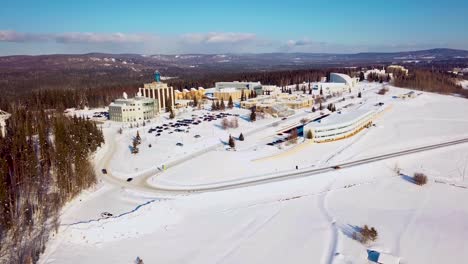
(342, 78)
(338, 83)
(340, 126)
(238, 85)
(132, 109)
(162, 93)
(3, 117)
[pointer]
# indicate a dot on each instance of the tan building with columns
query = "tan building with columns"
(160, 92)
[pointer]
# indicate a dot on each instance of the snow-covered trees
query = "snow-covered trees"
(43, 164)
(365, 234)
(292, 138)
(420, 178)
(229, 123)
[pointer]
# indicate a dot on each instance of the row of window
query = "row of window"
(354, 128)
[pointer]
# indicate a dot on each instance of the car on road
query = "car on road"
(336, 167)
(129, 179)
(104, 171)
(179, 144)
(284, 118)
(106, 214)
(196, 136)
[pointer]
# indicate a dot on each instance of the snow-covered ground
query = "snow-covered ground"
(307, 220)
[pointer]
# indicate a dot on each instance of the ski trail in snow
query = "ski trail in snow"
(328, 257)
(411, 219)
(246, 234)
(113, 217)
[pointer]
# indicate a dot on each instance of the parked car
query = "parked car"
(129, 179)
(106, 214)
(336, 167)
(196, 136)
(179, 144)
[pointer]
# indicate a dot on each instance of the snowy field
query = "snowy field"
(312, 219)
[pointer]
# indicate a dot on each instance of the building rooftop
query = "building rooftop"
(343, 118)
(126, 101)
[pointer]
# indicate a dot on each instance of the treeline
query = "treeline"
(430, 81)
(61, 99)
(96, 94)
(280, 78)
(43, 164)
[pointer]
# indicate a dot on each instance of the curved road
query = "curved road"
(140, 183)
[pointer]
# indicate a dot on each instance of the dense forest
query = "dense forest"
(44, 162)
(430, 81)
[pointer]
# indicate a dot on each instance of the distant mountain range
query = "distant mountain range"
(173, 64)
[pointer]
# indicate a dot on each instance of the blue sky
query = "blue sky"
(175, 26)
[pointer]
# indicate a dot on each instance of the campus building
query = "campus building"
(160, 92)
(342, 78)
(190, 94)
(224, 90)
(134, 109)
(340, 126)
(3, 117)
(238, 85)
(235, 94)
(280, 104)
(338, 83)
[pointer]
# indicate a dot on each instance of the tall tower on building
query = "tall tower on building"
(160, 92)
(157, 76)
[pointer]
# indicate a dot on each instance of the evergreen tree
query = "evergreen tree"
(253, 115)
(320, 106)
(232, 143)
(241, 137)
(313, 109)
(230, 103)
(242, 95)
(359, 95)
(195, 101)
(135, 146)
(361, 76)
(172, 114)
(213, 106)
(310, 134)
(321, 91)
(138, 138)
(222, 106)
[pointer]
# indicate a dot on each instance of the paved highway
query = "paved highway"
(140, 183)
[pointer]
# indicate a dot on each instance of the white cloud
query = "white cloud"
(13, 36)
(218, 38)
(87, 37)
(75, 37)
